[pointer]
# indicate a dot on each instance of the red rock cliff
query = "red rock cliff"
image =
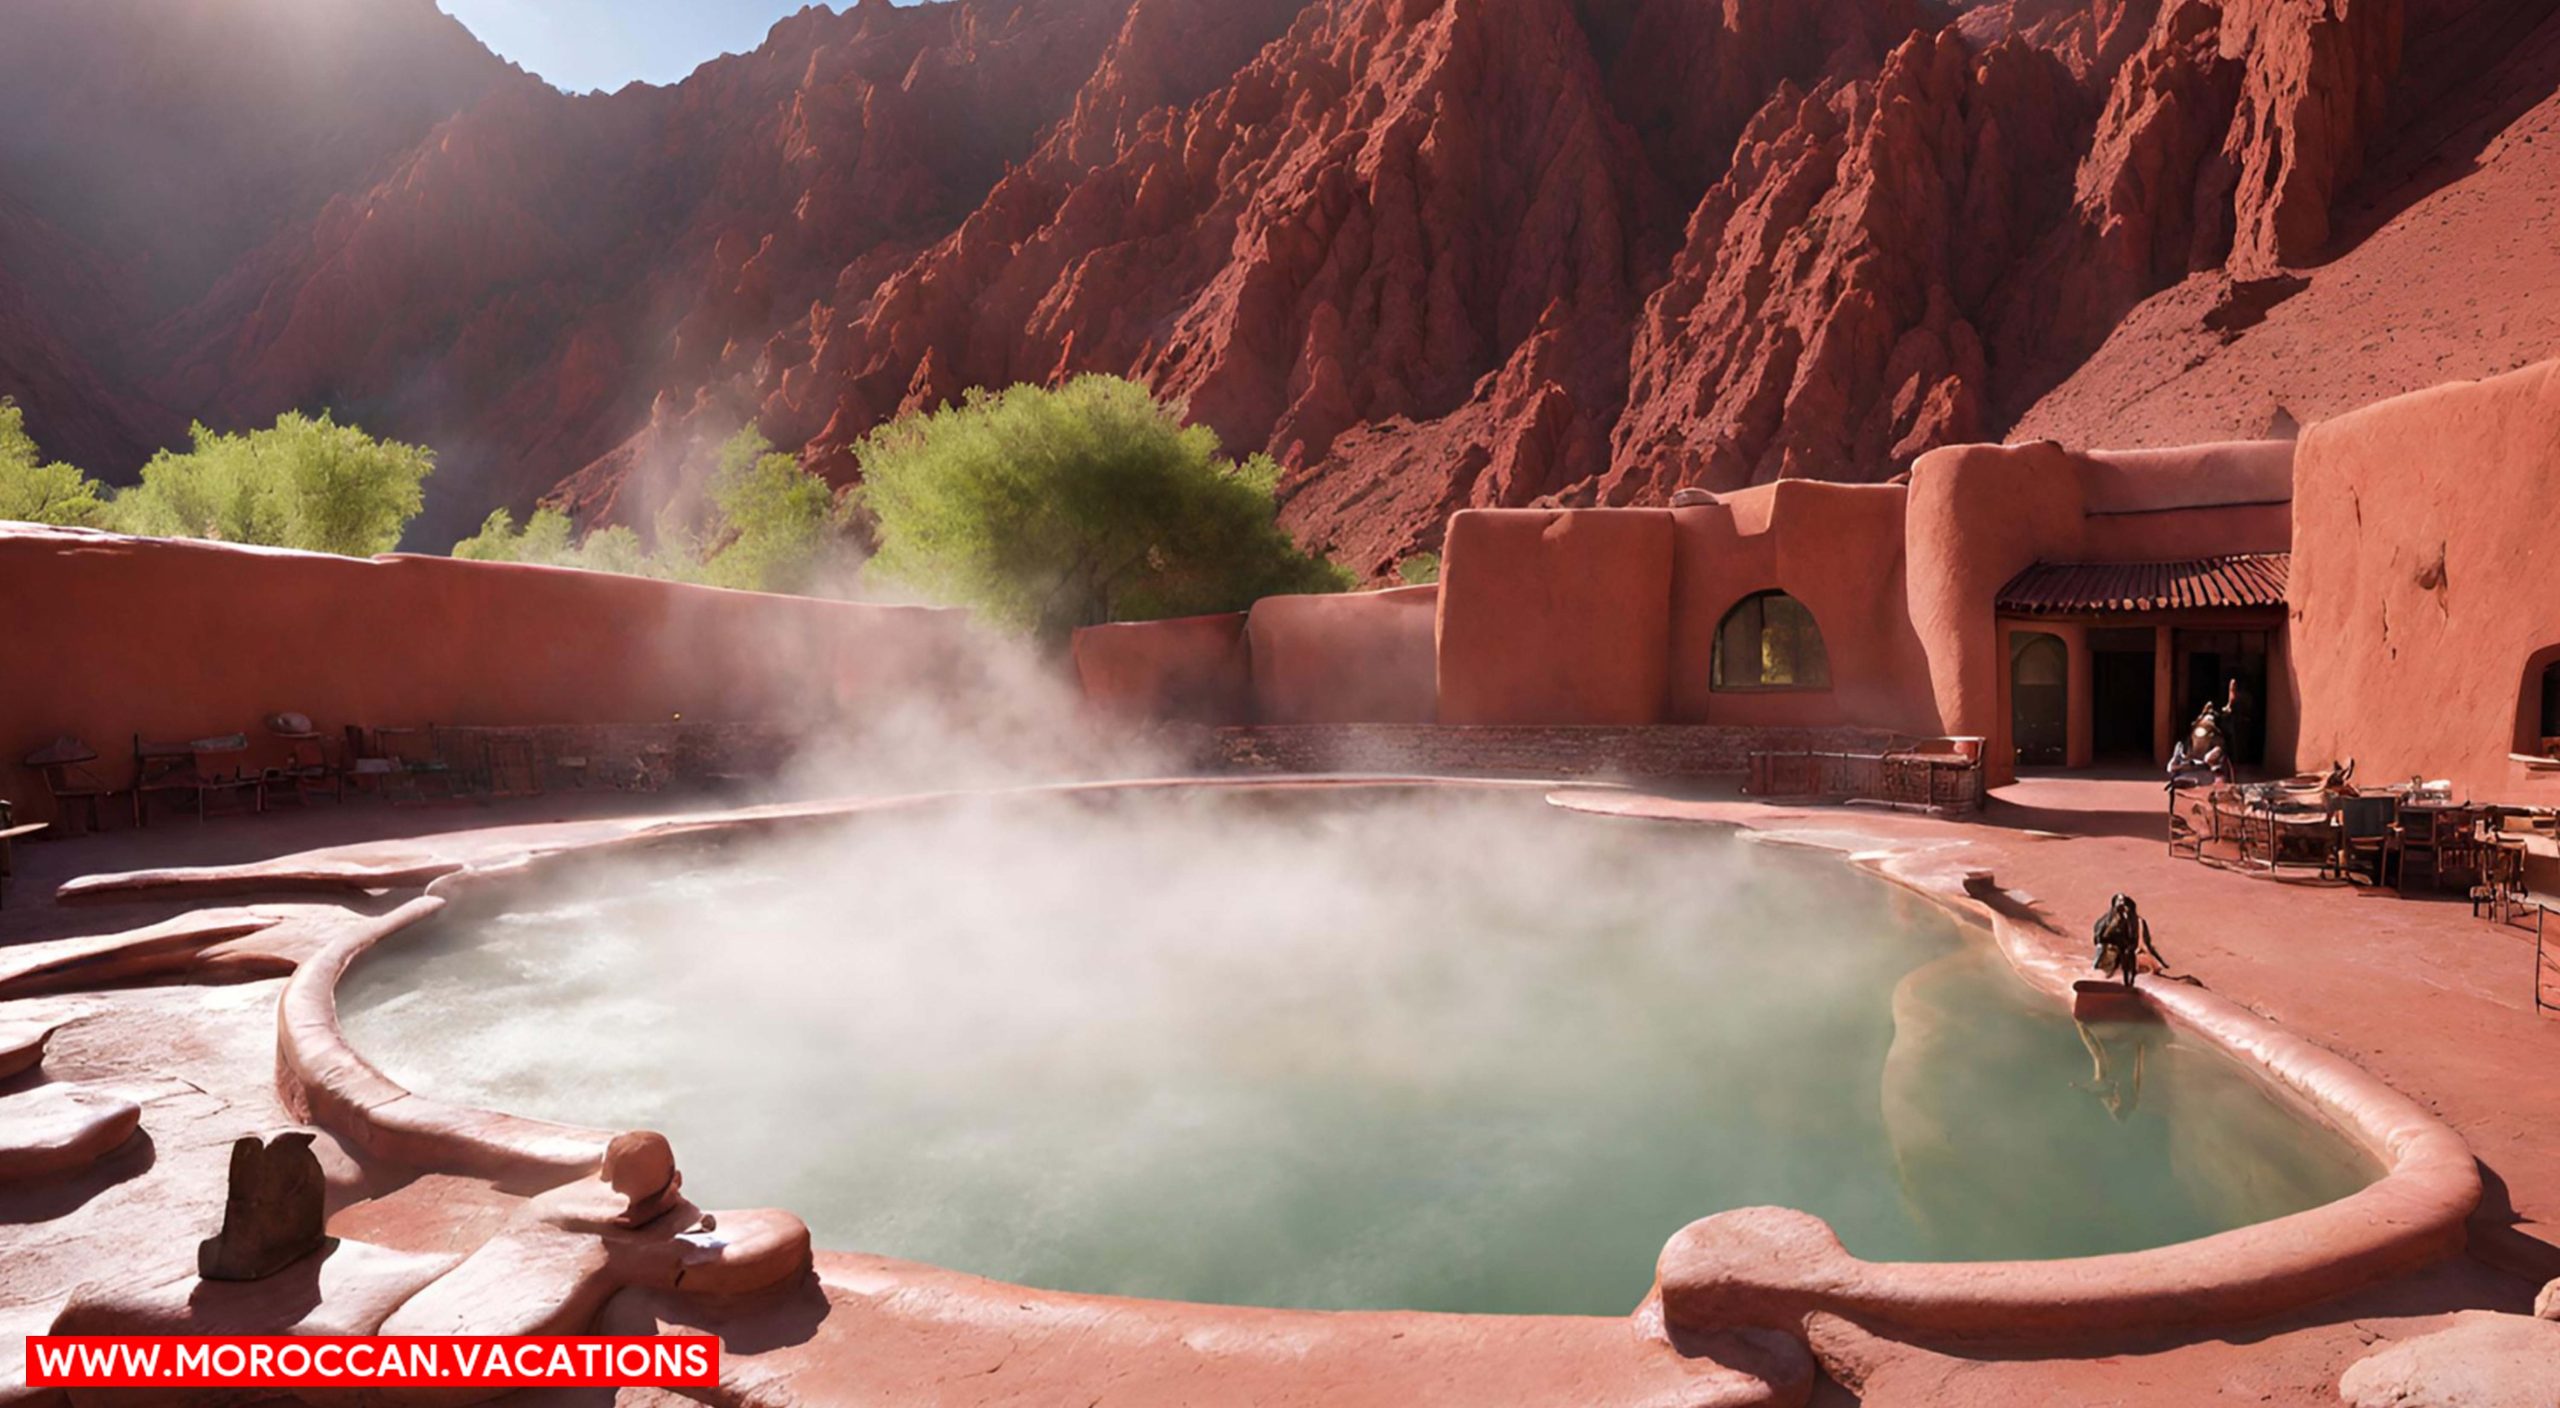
(1428, 253)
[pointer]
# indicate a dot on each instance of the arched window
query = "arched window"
(1769, 641)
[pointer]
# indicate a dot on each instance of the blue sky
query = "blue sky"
(582, 44)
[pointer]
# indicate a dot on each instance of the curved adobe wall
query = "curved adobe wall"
(2426, 579)
(1979, 515)
(111, 636)
(1192, 669)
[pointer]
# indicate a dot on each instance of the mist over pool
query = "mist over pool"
(1437, 1049)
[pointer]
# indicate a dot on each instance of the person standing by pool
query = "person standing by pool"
(2121, 935)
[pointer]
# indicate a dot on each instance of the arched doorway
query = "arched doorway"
(2039, 698)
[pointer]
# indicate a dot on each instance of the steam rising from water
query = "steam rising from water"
(1424, 1050)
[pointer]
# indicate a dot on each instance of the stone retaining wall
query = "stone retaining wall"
(1660, 751)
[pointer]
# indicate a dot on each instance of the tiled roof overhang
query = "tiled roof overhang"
(2203, 583)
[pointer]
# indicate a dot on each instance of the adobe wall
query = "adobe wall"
(1359, 657)
(109, 636)
(1980, 514)
(1838, 549)
(1555, 616)
(1192, 669)
(2425, 582)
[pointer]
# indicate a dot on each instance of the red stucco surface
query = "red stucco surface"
(1365, 657)
(1556, 617)
(1837, 549)
(1191, 668)
(108, 637)
(2426, 578)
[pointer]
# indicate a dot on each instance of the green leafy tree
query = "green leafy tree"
(768, 526)
(1047, 510)
(1420, 570)
(546, 539)
(306, 483)
(778, 526)
(35, 492)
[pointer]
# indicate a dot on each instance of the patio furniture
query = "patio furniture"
(2235, 820)
(2194, 819)
(10, 831)
(2365, 826)
(202, 768)
(76, 789)
(418, 773)
(2500, 873)
(2431, 837)
(2305, 836)
(306, 770)
(465, 756)
(515, 766)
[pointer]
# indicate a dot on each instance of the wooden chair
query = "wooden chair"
(306, 771)
(2418, 844)
(2500, 873)
(76, 789)
(2365, 829)
(2461, 846)
(160, 767)
(204, 769)
(222, 766)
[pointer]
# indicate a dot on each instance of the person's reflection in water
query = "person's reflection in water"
(2121, 1095)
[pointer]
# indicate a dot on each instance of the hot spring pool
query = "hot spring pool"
(1449, 1050)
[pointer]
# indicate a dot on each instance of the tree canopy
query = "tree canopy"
(768, 525)
(1046, 510)
(306, 483)
(36, 492)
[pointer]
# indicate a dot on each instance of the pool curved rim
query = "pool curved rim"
(1751, 1267)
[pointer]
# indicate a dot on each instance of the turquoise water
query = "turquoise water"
(1435, 1051)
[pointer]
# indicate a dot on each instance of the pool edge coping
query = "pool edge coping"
(1759, 1267)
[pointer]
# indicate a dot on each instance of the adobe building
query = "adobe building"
(2386, 589)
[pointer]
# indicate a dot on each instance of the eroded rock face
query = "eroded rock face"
(1428, 254)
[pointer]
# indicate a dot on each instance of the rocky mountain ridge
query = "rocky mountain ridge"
(1428, 253)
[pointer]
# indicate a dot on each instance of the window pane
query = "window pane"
(1769, 641)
